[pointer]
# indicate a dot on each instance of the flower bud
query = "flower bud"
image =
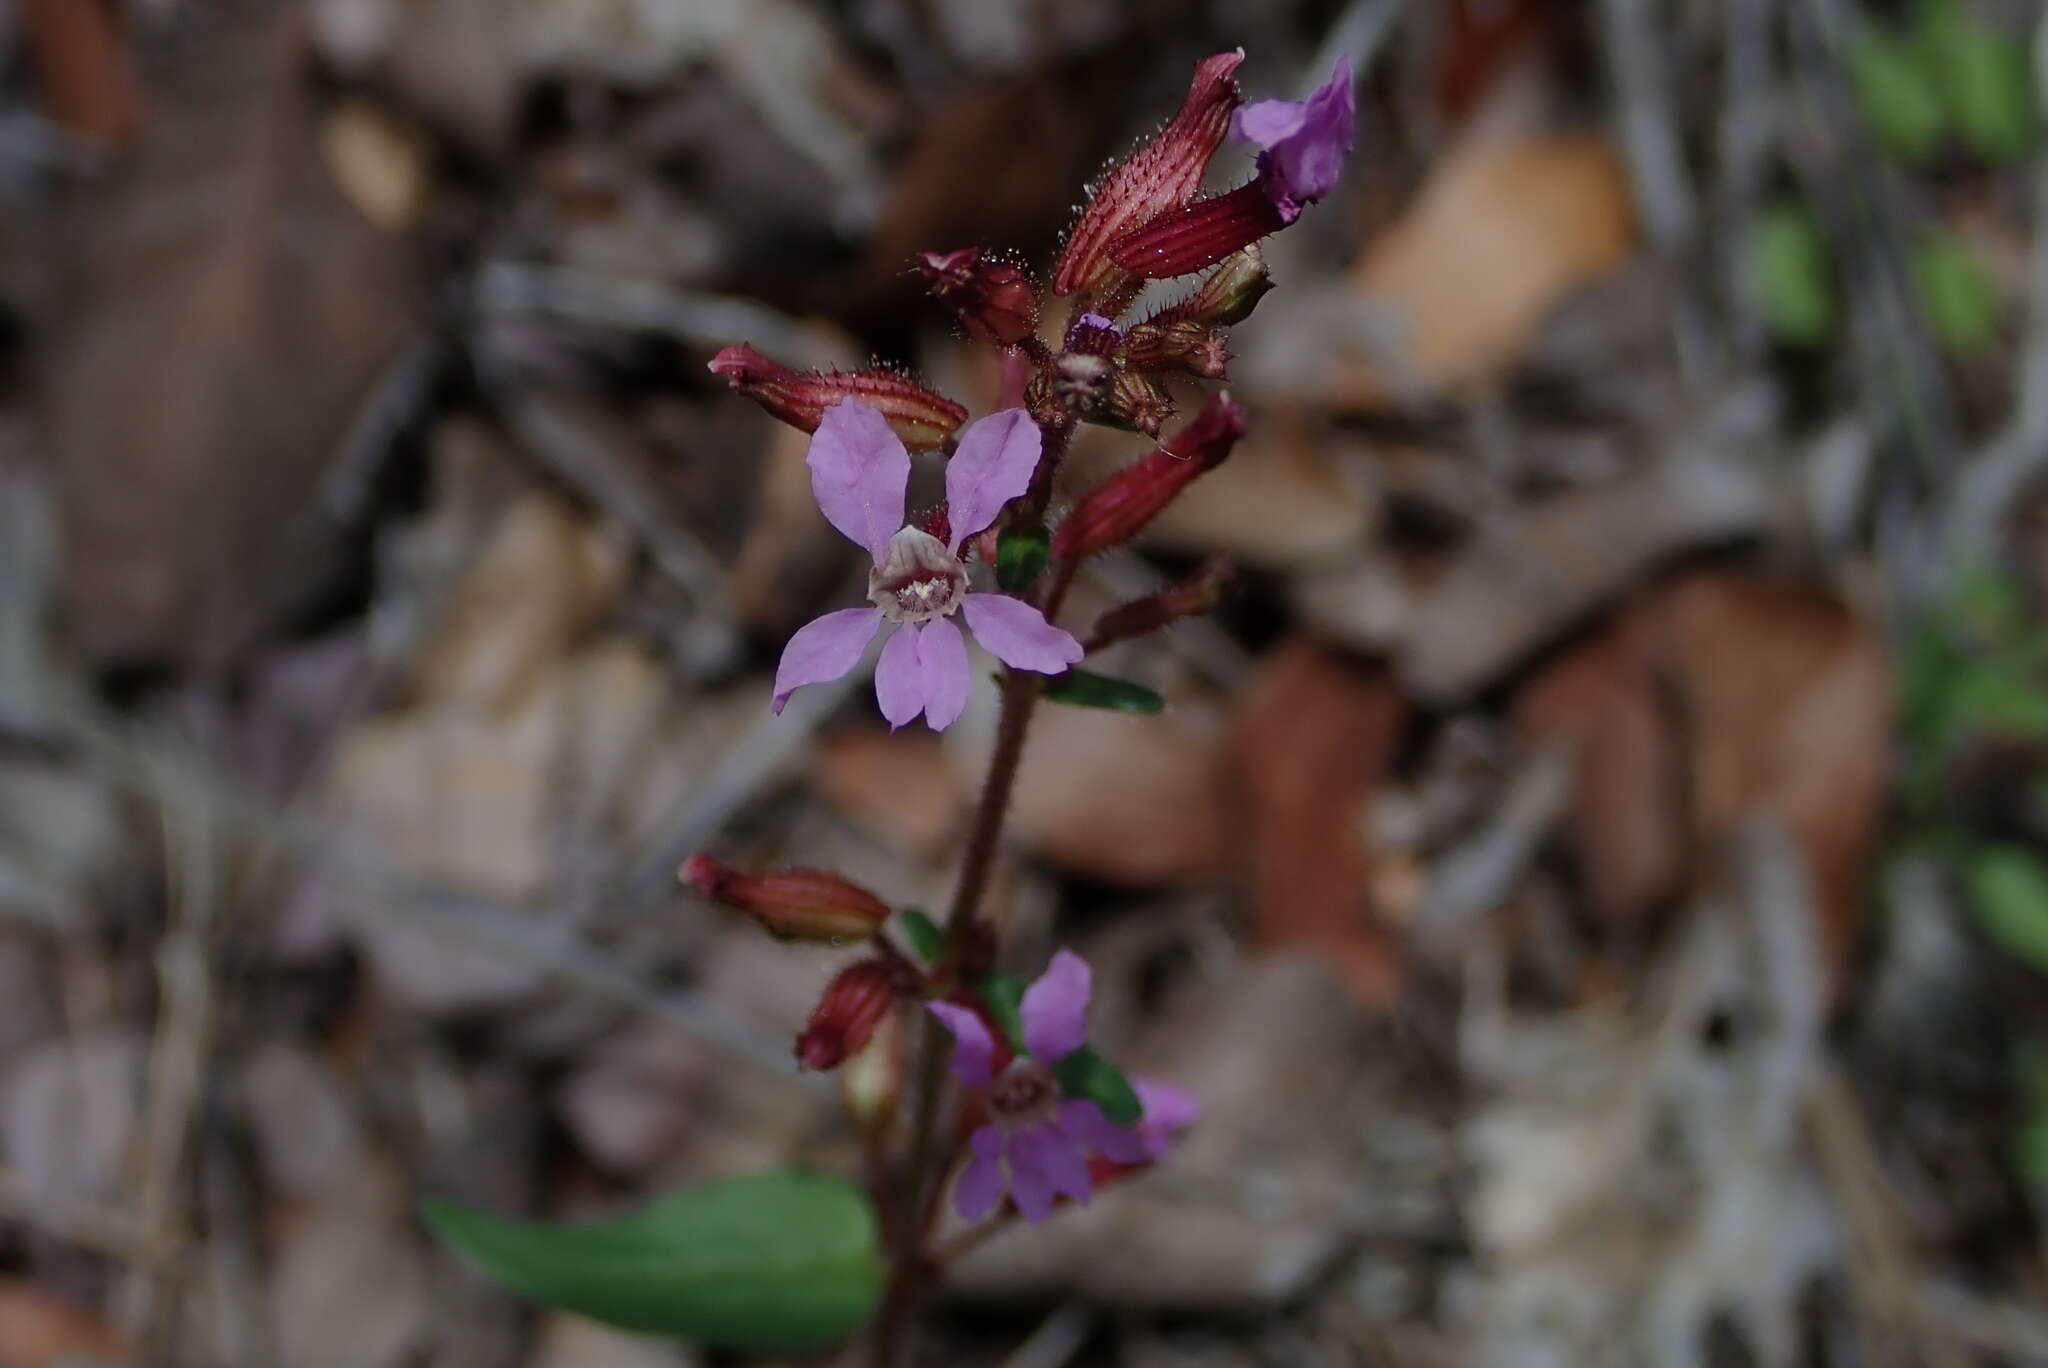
(1161, 175)
(853, 1004)
(1226, 295)
(994, 299)
(1135, 495)
(917, 415)
(791, 904)
(1136, 404)
(1198, 235)
(1191, 597)
(871, 1081)
(1183, 345)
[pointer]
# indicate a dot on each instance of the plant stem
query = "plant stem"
(1020, 698)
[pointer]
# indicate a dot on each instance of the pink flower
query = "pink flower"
(1306, 142)
(859, 475)
(1037, 1145)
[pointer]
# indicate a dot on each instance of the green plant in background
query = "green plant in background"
(1948, 75)
(1795, 287)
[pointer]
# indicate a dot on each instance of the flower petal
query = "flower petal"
(1086, 1123)
(1048, 1152)
(1265, 122)
(992, 465)
(1167, 1110)
(981, 1185)
(1055, 1008)
(859, 472)
(824, 648)
(1019, 635)
(1031, 1184)
(942, 660)
(899, 679)
(974, 1049)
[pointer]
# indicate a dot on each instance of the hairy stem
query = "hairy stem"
(916, 1206)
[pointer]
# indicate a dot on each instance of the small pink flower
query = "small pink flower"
(1306, 142)
(859, 475)
(1037, 1147)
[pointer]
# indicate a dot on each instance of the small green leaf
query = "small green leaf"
(1021, 554)
(1086, 689)
(923, 933)
(1956, 294)
(2030, 1151)
(2010, 889)
(1893, 89)
(1983, 79)
(1086, 1074)
(1789, 264)
(1004, 996)
(774, 1263)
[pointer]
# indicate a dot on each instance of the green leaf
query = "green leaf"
(1021, 554)
(1956, 294)
(777, 1263)
(1893, 90)
(1004, 995)
(1789, 264)
(1086, 689)
(2010, 889)
(1983, 79)
(924, 935)
(1084, 1073)
(2030, 1151)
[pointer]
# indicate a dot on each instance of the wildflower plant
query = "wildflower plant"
(1007, 1109)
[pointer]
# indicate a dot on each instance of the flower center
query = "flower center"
(917, 578)
(1022, 1090)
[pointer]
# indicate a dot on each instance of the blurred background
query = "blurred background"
(1592, 868)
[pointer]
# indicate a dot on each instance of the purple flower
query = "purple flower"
(1305, 141)
(1036, 1147)
(1168, 1111)
(859, 475)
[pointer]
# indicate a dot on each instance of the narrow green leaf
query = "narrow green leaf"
(777, 1263)
(1893, 90)
(1956, 294)
(2010, 889)
(1983, 79)
(1004, 996)
(924, 935)
(1021, 554)
(1086, 689)
(1789, 265)
(1086, 1074)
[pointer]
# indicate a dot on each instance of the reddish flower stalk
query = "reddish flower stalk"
(921, 418)
(1199, 593)
(791, 904)
(1134, 496)
(1159, 176)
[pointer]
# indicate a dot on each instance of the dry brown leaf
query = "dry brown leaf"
(893, 785)
(234, 312)
(82, 66)
(39, 1329)
(1312, 737)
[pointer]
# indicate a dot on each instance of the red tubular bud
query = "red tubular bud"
(853, 1004)
(1163, 174)
(791, 904)
(1199, 235)
(917, 415)
(1185, 346)
(1136, 404)
(871, 1081)
(1197, 594)
(994, 299)
(1134, 496)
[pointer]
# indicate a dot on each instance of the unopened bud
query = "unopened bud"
(1135, 495)
(792, 904)
(1198, 235)
(1161, 175)
(853, 1004)
(1226, 295)
(1199, 593)
(1185, 345)
(1136, 404)
(917, 415)
(994, 299)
